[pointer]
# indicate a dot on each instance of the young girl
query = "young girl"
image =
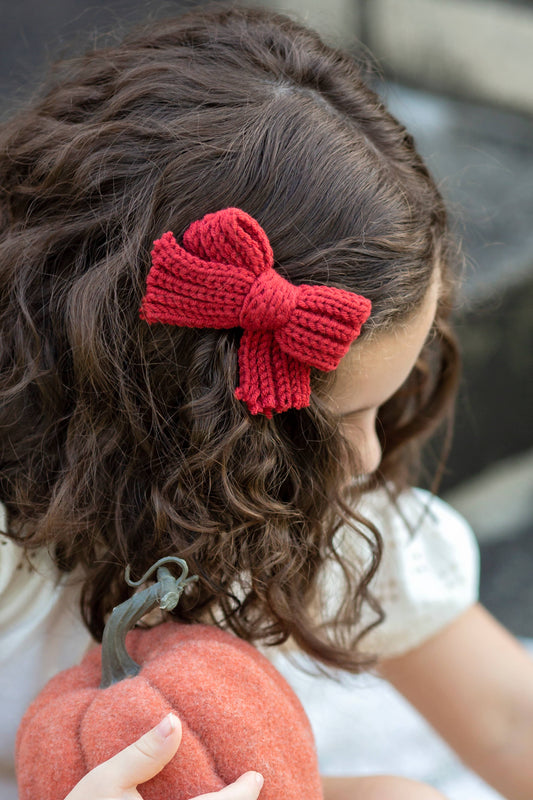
(251, 397)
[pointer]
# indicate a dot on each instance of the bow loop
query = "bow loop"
(231, 237)
(325, 322)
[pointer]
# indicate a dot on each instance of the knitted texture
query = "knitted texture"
(223, 277)
(237, 714)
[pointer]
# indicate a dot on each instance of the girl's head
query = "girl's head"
(123, 442)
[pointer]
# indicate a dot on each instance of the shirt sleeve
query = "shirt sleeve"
(428, 575)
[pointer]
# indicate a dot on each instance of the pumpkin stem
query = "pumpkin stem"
(117, 664)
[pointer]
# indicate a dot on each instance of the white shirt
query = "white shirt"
(40, 634)
(423, 583)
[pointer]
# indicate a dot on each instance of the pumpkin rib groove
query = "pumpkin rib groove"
(78, 742)
(86, 763)
(209, 756)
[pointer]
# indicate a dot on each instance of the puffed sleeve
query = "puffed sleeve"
(428, 575)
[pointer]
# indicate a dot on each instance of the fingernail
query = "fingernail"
(166, 726)
(259, 778)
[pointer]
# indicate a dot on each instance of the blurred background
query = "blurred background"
(459, 75)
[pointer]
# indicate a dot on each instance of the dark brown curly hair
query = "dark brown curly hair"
(122, 442)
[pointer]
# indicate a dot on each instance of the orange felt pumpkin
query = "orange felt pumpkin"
(237, 712)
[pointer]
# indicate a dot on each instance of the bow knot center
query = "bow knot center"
(269, 303)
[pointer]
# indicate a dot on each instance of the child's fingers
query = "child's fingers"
(135, 764)
(247, 787)
(148, 755)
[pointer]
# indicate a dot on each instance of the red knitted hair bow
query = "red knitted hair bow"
(223, 277)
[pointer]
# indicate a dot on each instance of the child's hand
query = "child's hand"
(117, 778)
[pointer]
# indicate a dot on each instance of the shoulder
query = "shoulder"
(429, 571)
(414, 512)
(419, 522)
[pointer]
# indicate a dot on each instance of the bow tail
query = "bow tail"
(270, 379)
